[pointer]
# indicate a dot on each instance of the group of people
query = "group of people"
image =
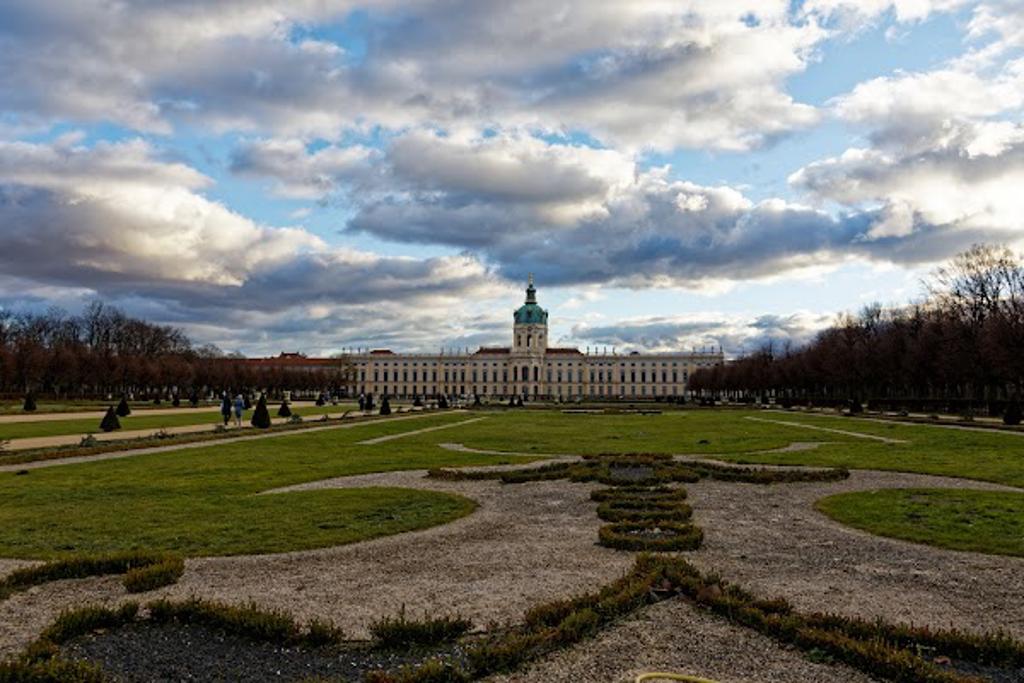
(229, 407)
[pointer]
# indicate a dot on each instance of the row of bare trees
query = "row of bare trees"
(960, 349)
(104, 352)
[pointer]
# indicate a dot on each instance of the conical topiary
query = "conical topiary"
(512, 402)
(261, 416)
(284, 410)
(246, 401)
(1012, 416)
(176, 402)
(442, 401)
(417, 402)
(385, 406)
(320, 400)
(369, 402)
(123, 409)
(110, 422)
(30, 403)
(193, 399)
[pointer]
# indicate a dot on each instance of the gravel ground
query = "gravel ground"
(525, 545)
(170, 653)
(770, 540)
(676, 637)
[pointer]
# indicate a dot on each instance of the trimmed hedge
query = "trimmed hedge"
(676, 512)
(79, 568)
(248, 621)
(153, 576)
(397, 632)
(655, 536)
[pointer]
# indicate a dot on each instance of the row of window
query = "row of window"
(405, 391)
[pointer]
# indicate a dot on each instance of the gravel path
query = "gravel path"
(392, 437)
(770, 540)
(676, 637)
(526, 545)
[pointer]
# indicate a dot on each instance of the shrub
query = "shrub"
(284, 410)
(76, 568)
(30, 403)
(1012, 416)
(385, 406)
(153, 576)
(261, 416)
(677, 512)
(320, 402)
(650, 536)
(87, 441)
(123, 409)
(396, 632)
(417, 402)
(51, 670)
(110, 422)
(77, 622)
(176, 401)
(248, 621)
(295, 420)
(442, 401)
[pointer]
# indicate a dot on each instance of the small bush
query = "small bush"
(123, 409)
(261, 416)
(295, 420)
(77, 622)
(50, 670)
(385, 406)
(248, 621)
(396, 632)
(153, 576)
(284, 410)
(30, 403)
(76, 568)
(110, 422)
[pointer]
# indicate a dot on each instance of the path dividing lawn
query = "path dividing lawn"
(201, 501)
(141, 421)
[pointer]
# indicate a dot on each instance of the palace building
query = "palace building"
(528, 368)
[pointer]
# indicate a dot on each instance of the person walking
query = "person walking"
(225, 407)
(239, 407)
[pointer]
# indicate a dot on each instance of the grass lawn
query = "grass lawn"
(982, 521)
(74, 405)
(202, 501)
(140, 420)
(986, 455)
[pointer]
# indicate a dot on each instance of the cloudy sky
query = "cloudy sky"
(319, 174)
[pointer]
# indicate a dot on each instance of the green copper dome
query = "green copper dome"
(530, 312)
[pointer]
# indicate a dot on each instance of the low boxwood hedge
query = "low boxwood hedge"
(654, 536)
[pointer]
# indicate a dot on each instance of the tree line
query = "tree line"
(960, 349)
(103, 352)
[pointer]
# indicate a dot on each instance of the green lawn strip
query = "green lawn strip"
(987, 456)
(710, 432)
(139, 421)
(980, 521)
(43, 407)
(202, 501)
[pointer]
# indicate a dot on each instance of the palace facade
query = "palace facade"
(528, 368)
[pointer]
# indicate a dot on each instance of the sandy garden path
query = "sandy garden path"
(772, 541)
(525, 545)
(676, 637)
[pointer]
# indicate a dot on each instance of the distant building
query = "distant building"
(529, 368)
